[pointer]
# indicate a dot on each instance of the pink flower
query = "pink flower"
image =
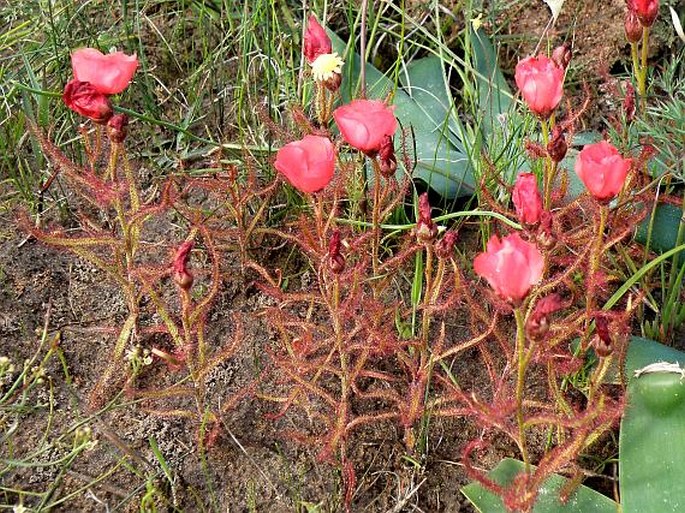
(83, 98)
(541, 82)
(365, 124)
(109, 74)
(511, 266)
(646, 10)
(527, 199)
(602, 169)
(308, 164)
(316, 41)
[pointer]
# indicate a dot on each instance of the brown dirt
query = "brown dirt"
(595, 30)
(251, 465)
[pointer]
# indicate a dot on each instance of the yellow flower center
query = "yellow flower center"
(326, 65)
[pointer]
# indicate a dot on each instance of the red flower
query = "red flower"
(316, 41)
(511, 266)
(109, 74)
(308, 164)
(602, 169)
(527, 199)
(83, 98)
(365, 124)
(541, 82)
(646, 10)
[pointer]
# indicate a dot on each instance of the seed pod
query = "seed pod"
(562, 55)
(632, 26)
(117, 128)
(557, 147)
(426, 229)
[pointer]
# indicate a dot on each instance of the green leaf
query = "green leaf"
(583, 500)
(494, 95)
(664, 229)
(652, 444)
(642, 352)
(424, 82)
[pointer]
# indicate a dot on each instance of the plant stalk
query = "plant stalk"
(520, 382)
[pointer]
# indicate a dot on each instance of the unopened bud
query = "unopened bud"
(333, 82)
(557, 147)
(602, 343)
(544, 235)
(386, 157)
(445, 246)
(645, 10)
(117, 128)
(632, 26)
(336, 260)
(426, 229)
(179, 267)
(537, 325)
(562, 55)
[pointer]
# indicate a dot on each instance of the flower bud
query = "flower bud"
(562, 55)
(386, 157)
(86, 100)
(527, 199)
(645, 10)
(179, 267)
(333, 82)
(445, 246)
(426, 229)
(632, 27)
(544, 235)
(557, 147)
(316, 41)
(117, 128)
(336, 260)
(537, 324)
(602, 342)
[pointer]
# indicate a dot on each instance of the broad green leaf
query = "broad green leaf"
(664, 229)
(424, 81)
(652, 444)
(643, 352)
(583, 500)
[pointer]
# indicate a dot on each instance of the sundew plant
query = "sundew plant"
(404, 278)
